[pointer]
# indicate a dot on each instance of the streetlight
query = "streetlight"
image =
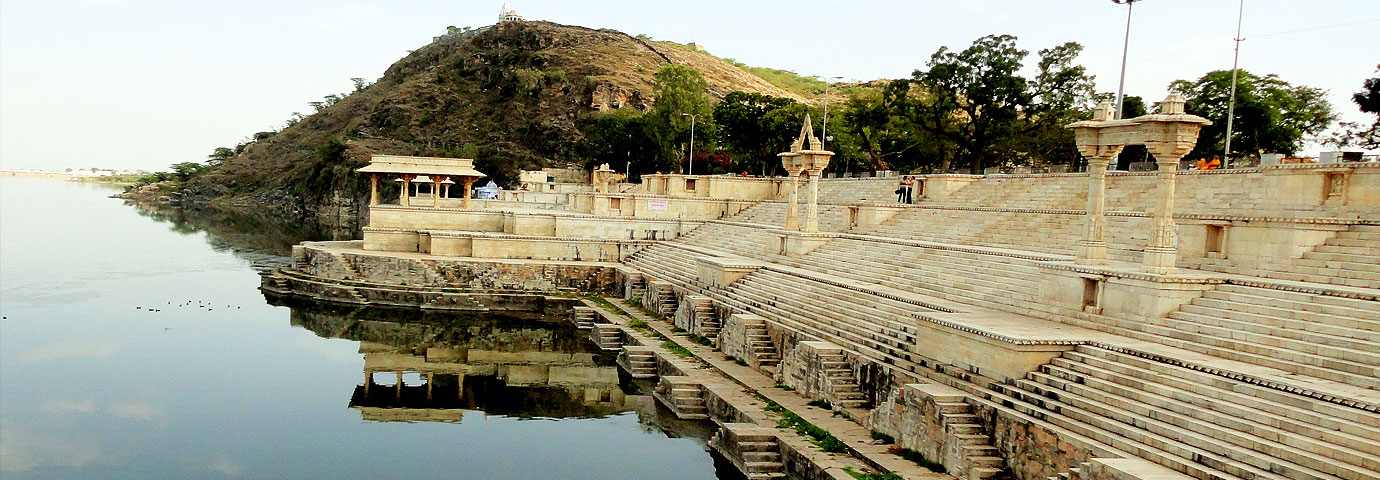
(1231, 105)
(1125, 46)
(824, 134)
(692, 142)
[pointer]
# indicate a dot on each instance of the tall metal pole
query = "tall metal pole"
(1231, 105)
(824, 134)
(1125, 48)
(692, 144)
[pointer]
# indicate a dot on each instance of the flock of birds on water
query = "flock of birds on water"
(188, 303)
(199, 304)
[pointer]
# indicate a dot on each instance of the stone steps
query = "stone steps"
(683, 396)
(1189, 459)
(1340, 316)
(607, 336)
(1326, 414)
(1155, 330)
(582, 317)
(861, 328)
(638, 361)
(842, 381)
(1163, 416)
(1250, 415)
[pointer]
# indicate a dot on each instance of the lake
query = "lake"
(135, 344)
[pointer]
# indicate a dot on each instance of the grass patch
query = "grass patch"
(675, 348)
(635, 302)
(919, 459)
(886, 439)
(702, 340)
(639, 325)
(822, 438)
(872, 476)
(821, 403)
(606, 304)
(785, 387)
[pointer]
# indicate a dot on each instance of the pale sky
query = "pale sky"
(148, 83)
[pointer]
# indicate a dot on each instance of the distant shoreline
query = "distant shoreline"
(122, 179)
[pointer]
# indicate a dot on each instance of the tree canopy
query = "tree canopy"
(1272, 115)
(1359, 134)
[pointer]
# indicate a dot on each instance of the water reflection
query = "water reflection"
(264, 240)
(92, 386)
(426, 366)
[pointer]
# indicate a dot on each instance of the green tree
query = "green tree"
(622, 140)
(1358, 134)
(1131, 107)
(881, 125)
(754, 128)
(220, 155)
(186, 170)
(1272, 115)
(980, 112)
(974, 98)
(1062, 92)
(680, 91)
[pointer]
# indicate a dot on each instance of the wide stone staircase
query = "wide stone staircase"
(832, 218)
(1350, 258)
(1200, 424)
(852, 191)
(1334, 338)
(950, 274)
(1001, 191)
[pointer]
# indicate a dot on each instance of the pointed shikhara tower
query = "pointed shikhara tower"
(506, 15)
(808, 158)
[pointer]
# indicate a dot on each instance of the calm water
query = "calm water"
(216, 382)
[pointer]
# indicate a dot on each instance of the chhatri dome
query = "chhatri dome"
(506, 15)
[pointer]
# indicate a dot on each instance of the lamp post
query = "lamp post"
(824, 134)
(1231, 105)
(692, 142)
(1125, 47)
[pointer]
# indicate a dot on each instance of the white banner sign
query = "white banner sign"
(658, 204)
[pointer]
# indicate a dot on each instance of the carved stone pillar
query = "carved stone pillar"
(373, 189)
(468, 182)
(1162, 252)
(1092, 250)
(792, 214)
(404, 199)
(812, 208)
(436, 190)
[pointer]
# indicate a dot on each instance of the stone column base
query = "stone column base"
(1120, 290)
(795, 244)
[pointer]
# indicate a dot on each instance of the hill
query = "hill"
(513, 96)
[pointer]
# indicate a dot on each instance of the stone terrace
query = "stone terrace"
(1259, 377)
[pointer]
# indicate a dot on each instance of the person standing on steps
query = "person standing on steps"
(907, 189)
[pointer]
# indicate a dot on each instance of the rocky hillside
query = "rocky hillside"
(512, 96)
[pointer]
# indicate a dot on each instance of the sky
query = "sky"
(142, 84)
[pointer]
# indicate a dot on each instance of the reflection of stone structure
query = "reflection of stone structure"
(440, 368)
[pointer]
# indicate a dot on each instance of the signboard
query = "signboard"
(658, 204)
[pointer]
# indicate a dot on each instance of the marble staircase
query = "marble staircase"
(1201, 424)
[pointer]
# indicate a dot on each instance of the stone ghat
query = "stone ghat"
(342, 272)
